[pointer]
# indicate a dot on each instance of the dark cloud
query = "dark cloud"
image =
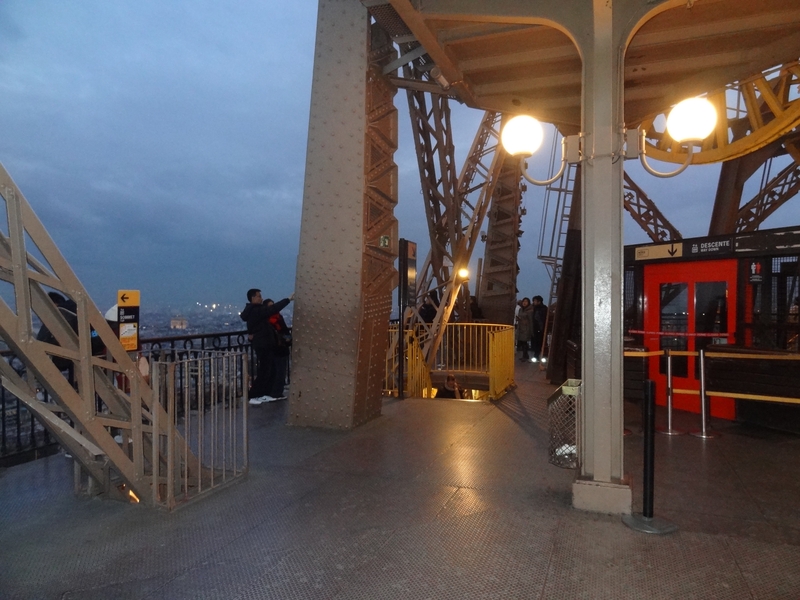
(162, 144)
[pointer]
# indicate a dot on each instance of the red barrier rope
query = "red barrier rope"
(677, 333)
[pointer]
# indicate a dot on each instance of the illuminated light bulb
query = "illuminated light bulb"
(692, 119)
(522, 136)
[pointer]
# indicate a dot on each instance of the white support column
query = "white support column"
(600, 485)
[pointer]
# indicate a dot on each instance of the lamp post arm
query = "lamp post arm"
(553, 179)
(651, 170)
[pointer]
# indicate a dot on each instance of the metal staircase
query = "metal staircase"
(105, 414)
(554, 225)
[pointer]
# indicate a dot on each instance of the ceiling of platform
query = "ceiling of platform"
(495, 63)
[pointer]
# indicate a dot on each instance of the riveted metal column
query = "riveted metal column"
(600, 485)
(348, 236)
(498, 290)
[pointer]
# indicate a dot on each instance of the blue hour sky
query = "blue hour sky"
(162, 144)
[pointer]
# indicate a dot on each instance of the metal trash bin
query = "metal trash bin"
(563, 410)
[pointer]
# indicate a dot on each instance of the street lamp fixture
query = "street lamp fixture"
(463, 273)
(523, 135)
(688, 123)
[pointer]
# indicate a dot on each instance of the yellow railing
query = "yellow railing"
(501, 359)
(480, 354)
(727, 356)
(417, 378)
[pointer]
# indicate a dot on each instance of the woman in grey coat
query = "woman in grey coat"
(524, 327)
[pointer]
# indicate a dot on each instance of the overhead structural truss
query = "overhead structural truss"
(772, 196)
(498, 286)
(433, 141)
(751, 114)
(455, 206)
(645, 212)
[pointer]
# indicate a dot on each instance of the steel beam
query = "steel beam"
(645, 212)
(783, 187)
(498, 291)
(348, 235)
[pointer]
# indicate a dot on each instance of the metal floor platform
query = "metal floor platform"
(434, 499)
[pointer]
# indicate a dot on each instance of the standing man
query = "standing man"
(539, 321)
(281, 356)
(264, 339)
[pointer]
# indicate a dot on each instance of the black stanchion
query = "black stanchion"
(644, 521)
(648, 431)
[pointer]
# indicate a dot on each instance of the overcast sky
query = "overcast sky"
(162, 144)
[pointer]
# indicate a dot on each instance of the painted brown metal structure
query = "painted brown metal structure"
(498, 286)
(348, 236)
(588, 66)
(593, 67)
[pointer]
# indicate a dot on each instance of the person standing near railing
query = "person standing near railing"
(539, 321)
(264, 340)
(524, 327)
(282, 351)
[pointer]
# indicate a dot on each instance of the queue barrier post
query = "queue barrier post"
(645, 522)
(703, 432)
(669, 429)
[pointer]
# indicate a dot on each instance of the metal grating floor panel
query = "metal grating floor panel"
(434, 499)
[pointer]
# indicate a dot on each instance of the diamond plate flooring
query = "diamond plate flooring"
(434, 499)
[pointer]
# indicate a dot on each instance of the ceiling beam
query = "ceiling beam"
(479, 32)
(529, 84)
(705, 28)
(416, 23)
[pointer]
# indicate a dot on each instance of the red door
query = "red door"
(689, 306)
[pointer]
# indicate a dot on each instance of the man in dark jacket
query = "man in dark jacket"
(539, 322)
(263, 339)
(281, 355)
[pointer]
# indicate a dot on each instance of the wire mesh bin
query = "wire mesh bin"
(563, 410)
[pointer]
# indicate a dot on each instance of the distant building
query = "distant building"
(178, 323)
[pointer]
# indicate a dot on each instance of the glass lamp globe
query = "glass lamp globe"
(691, 120)
(463, 273)
(522, 136)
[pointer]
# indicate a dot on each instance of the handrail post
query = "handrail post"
(703, 432)
(669, 430)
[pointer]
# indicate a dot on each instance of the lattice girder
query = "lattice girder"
(90, 435)
(750, 114)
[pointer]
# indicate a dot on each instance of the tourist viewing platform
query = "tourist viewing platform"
(402, 395)
(433, 499)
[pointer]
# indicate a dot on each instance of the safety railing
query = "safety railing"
(464, 347)
(501, 361)
(480, 354)
(417, 378)
(704, 393)
(233, 340)
(22, 435)
(205, 397)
